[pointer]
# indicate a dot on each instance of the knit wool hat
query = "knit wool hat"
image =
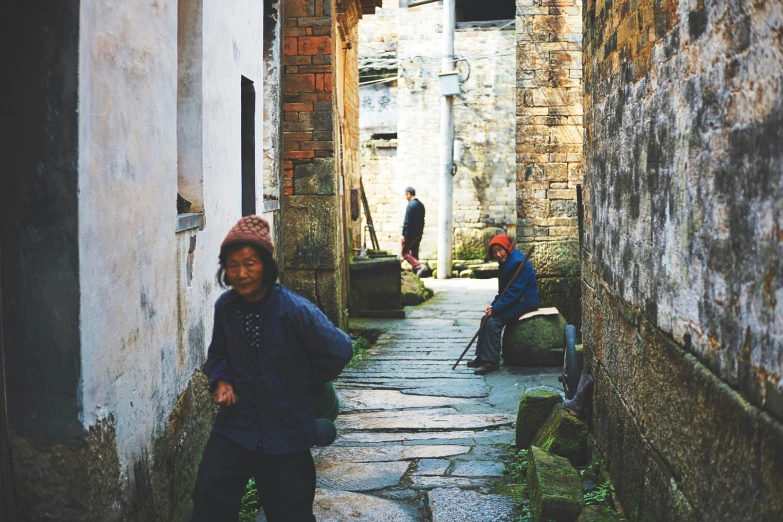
(502, 240)
(250, 230)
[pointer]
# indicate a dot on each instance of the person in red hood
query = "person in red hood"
(520, 298)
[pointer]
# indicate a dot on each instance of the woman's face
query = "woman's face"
(245, 273)
(499, 253)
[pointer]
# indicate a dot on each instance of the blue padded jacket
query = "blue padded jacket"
(522, 295)
(275, 386)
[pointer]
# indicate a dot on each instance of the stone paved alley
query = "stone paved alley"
(419, 441)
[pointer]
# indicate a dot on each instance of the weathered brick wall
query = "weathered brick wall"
(320, 147)
(549, 145)
(683, 267)
(484, 186)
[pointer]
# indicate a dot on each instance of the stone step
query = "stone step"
(554, 487)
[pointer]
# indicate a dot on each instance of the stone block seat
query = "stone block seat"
(538, 339)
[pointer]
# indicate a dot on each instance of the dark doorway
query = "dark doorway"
(7, 496)
(485, 10)
(248, 148)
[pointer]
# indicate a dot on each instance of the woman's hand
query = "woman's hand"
(488, 311)
(224, 394)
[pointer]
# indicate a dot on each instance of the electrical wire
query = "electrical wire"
(384, 80)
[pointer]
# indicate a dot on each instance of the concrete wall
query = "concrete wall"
(484, 186)
(684, 176)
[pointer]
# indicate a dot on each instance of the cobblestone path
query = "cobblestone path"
(419, 441)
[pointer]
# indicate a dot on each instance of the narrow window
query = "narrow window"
(248, 148)
(190, 191)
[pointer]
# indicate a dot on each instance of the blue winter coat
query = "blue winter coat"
(276, 385)
(522, 296)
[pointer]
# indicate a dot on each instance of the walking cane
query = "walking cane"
(486, 317)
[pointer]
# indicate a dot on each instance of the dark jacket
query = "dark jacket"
(522, 296)
(413, 226)
(301, 351)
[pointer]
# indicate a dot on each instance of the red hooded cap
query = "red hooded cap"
(502, 240)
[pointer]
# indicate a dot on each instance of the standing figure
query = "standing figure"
(272, 353)
(412, 230)
(520, 298)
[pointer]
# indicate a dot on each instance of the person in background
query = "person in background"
(521, 298)
(412, 230)
(272, 353)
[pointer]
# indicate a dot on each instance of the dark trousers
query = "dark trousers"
(488, 347)
(286, 483)
(410, 251)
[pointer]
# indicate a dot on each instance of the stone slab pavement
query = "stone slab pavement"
(417, 440)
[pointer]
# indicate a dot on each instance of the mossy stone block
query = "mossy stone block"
(539, 341)
(554, 487)
(534, 409)
(413, 290)
(598, 513)
(564, 435)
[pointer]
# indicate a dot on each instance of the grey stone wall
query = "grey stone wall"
(484, 185)
(683, 267)
(549, 139)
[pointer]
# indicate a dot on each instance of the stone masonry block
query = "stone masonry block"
(534, 208)
(556, 172)
(557, 259)
(311, 232)
(554, 487)
(564, 435)
(567, 134)
(302, 282)
(316, 178)
(329, 300)
(534, 408)
(556, 97)
(561, 194)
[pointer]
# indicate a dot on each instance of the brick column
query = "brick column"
(312, 243)
(549, 145)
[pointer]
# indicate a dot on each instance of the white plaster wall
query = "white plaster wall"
(145, 327)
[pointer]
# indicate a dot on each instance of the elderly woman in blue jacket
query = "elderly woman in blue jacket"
(520, 298)
(272, 353)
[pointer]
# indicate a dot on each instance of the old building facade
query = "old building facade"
(401, 50)
(682, 266)
(518, 129)
(108, 280)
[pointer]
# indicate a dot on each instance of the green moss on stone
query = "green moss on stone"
(413, 290)
(534, 408)
(564, 435)
(598, 513)
(554, 487)
(539, 341)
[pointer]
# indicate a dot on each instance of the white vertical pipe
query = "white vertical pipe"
(446, 186)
